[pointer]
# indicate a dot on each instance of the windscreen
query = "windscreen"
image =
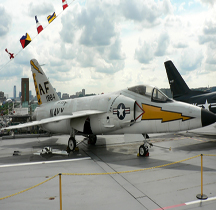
(159, 96)
(144, 90)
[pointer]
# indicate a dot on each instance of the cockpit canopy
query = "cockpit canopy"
(154, 93)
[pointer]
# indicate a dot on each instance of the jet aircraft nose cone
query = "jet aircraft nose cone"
(207, 117)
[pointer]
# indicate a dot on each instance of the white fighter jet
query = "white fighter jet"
(141, 109)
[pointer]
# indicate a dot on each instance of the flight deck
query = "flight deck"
(109, 175)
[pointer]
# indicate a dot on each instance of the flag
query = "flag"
(10, 54)
(25, 40)
(38, 25)
(50, 18)
(64, 4)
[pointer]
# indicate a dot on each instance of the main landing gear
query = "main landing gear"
(143, 149)
(71, 144)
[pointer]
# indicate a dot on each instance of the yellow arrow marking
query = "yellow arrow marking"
(155, 113)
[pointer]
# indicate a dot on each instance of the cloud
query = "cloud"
(146, 12)
(145, 53)
(69, 27)
(109, 68)
(208, 30)
(115, 52)
(210, 27)
(11, 71)
(190, 59)
(210, 2)
(5, 20)
(181, 44)
(181, 7)
(211, 55)
(173, 21)
(167, 7)
(163, 43)
(98, 31)
(43, 8)
(90, 33)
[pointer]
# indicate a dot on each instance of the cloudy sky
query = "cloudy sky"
(107, 45)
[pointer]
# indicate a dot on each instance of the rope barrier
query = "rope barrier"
(29, 188)
(209, 155)
(131, 171)
(107, 173)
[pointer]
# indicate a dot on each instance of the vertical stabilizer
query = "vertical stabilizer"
(44, 90)
(177, 84)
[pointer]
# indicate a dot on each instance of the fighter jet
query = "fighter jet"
(181, 92)
(141, 109)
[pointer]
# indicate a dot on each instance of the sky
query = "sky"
(108, 45)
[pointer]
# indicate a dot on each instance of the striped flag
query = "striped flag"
(38, 25)
(50, 18)
(64, 4)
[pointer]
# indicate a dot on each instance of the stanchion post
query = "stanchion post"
(202, 196)
(60, 191)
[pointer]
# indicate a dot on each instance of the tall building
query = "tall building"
(59, 94)
(25, 89)
(83, 92)
(1, 96)
(14, 92)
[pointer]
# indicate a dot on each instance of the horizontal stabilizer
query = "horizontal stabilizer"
(55, 119)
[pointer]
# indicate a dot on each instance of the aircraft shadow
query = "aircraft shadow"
(112, 154)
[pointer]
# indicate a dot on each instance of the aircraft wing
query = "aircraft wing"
(55, 119)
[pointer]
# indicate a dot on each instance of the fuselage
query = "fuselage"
(125, 111)
(205, 100)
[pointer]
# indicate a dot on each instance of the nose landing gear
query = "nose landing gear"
(143, 149)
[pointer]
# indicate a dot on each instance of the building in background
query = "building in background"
(59, 95)
(65, 96)
(2, 98)
(14, 92)
(83, 92)
(25, 90)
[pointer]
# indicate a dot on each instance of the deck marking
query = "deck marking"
(187, 203)
(44, 162)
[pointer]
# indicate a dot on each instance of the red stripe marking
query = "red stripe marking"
(170, 207)
(140, 114)
(140, 107)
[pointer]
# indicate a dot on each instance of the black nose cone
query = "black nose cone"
(207, 117)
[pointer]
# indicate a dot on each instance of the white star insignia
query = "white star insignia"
(206, 105)
(120, 110)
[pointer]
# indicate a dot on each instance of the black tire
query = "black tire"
(71, 144)
(143, 150)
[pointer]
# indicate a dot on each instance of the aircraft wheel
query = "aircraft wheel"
(71, 143)
(143, 151)
(92, 139)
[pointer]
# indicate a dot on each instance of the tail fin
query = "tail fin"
(177, 84)
(44, 90)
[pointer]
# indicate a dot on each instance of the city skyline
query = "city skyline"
(109, 45)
